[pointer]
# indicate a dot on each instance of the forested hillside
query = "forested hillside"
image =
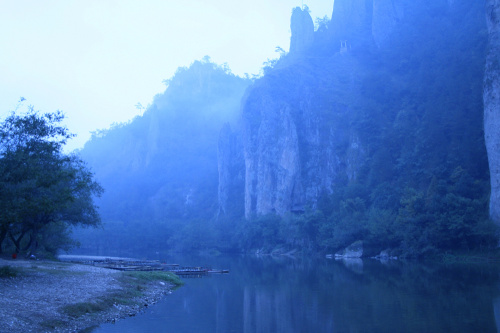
(160, 169)
(378, 137)
(370, 129)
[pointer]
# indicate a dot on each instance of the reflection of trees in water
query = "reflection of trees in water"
(329, 296)
(285, 309)
(308, 295)
(409, 297)
(266, 295)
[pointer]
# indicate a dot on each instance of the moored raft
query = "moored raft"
(219, 271)
(197, 271)
(186, 271)
(119, 263)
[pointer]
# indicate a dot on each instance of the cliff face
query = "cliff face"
(492, 105)
(293, 152)
(272, 168)
(333, 118)
(302, 28)
(351, 22)
(386, 16)
(231, 168)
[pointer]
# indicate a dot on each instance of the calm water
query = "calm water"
(286, 295)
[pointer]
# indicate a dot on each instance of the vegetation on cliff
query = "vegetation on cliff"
(343, 141)
(160, 170)
(415, 108)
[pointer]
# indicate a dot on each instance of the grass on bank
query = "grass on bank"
(8, 272)
(133, 286)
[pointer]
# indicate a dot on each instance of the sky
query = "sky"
(95, 60)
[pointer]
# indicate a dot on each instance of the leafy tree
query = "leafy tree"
(41, 187)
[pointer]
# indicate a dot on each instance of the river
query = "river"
(264, 294)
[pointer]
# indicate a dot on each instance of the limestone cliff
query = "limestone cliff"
(302, 28)
(272, 167)
(492, 105)
(314, 124)
(386, 16)
(351, 22)
(231, 172)
(292, 152)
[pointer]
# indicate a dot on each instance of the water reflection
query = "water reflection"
(286, 295)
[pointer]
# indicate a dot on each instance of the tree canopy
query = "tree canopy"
(43, 191)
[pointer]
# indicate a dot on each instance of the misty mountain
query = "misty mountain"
(163, 164)
(374, 123)
(370, 128)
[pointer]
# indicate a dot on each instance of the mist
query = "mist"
(313, 166)
(367, 130)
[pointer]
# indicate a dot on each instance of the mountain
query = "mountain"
(373, 129)
(162, 166)
(376, 124)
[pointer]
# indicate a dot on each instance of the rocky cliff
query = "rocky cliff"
(302, 28)
(370, 114)
(272, 168)
(492, 105)
(387, 14)
(351, 22)
(231, 166)
(293, 152)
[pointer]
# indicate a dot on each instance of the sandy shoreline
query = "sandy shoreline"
(48, 296)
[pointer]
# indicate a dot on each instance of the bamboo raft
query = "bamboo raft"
(131, 264)
(197, 271)
(119, 263)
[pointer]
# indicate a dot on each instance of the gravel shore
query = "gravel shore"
(43, 293)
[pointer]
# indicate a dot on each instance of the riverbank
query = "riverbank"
(51, 296)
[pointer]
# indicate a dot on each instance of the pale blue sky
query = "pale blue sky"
(96, 59)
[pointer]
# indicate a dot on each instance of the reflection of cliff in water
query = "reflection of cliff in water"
(283, 310)
(284, 295)
(396, 296)
(408, 297)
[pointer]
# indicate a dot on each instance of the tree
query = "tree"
(40, 186)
